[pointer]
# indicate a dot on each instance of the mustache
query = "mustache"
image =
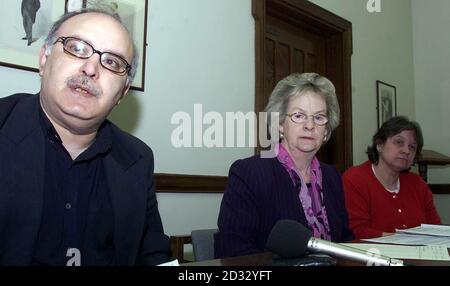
(84, 82)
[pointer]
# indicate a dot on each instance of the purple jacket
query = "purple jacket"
(259, 193)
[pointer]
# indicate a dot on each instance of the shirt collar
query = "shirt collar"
(102, 143)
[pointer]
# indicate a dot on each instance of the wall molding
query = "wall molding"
(176, 183)
(440, 189)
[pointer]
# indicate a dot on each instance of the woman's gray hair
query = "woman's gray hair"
(299, 84)
(51, 37)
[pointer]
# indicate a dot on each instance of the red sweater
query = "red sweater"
(373, 210)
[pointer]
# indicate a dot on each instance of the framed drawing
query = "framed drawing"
(134, 16)
(386, 102)
(25, 25)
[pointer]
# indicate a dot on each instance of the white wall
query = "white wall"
(181, 213)
(432, 78)
(432, 84)
(442, 203)
(200, 51)
(382, 50)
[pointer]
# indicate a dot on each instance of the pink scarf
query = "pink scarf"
(311, 196)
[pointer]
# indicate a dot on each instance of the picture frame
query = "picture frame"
(386, 102)
(134, 17)
(18, 48)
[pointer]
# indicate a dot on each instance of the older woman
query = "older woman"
(381, 194)
(294, 184)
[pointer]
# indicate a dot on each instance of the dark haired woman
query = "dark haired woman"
(382, 195)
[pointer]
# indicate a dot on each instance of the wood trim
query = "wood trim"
(9, 65)
(259, 15)
(430, 157)
(144, 51)
(177, 243)
(258, 11)
(347, 90)
(172, 183)
(305, 13)
(440, 189)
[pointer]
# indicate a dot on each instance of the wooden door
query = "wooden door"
(290, 49)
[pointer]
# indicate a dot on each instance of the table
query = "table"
(265, 259)
(430, 157)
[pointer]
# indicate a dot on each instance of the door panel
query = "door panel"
(291, 49)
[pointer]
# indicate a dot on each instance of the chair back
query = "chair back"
(203, 244)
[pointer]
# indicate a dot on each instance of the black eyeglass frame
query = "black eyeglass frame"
(63, 41)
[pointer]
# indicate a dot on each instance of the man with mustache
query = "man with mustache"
(74, 188)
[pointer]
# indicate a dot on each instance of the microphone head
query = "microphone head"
(288, 238)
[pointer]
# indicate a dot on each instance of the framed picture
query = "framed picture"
(386, 102)
(134, 15)
(25, 24)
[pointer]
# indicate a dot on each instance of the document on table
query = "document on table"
(428, 229)
(170, 263)
(429, 252)
(412, 239)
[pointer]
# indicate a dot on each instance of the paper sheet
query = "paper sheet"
(428, 229)
(170, 263)
(429, 252)
(412, 239)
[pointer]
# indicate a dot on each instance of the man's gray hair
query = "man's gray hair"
(299, 84)
(51, 37)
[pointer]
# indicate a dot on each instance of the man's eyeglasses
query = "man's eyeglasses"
(80, 49)
(299, 117)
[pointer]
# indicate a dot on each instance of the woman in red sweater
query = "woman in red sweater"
(382, 194)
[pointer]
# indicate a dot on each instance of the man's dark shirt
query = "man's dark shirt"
(77, 211)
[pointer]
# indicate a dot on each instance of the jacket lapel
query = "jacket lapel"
(329, 189)
(128, 199)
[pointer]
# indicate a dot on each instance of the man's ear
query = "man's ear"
(125, 90)
(42, 59)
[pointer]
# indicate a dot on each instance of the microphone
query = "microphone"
(290, 238)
